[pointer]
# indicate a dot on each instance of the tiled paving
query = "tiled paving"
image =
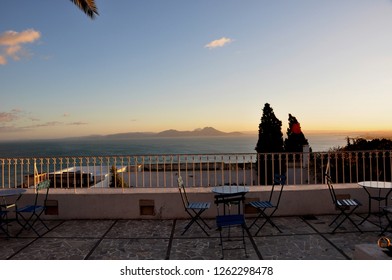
(303, 238)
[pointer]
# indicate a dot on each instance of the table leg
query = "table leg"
(369, 211)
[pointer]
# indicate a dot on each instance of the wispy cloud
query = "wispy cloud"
(11, 43)
(8, 129)
(11, 116)
(218, 43)
(77, 123)
(46, 124)
(19, 120)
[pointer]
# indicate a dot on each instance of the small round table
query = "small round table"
(11, 192)
(384, 190)
(230, 190)
(228, 195)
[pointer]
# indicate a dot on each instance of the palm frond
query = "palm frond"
(87, 6)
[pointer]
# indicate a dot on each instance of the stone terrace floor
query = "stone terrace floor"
(303, 238)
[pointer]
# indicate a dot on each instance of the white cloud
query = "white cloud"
(218, 43)
(11, 44)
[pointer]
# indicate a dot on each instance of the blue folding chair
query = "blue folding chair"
(346, 206)
(267, 208)
(31, 214)
(194, 209)
(229, 220)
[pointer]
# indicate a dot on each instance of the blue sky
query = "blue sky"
(153, 65)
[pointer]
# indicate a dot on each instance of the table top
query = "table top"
(376, 184)
(230, 189)
(11, 192)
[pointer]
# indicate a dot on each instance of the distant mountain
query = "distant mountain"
(207, 131)
(200, 132)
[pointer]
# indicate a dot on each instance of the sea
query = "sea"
(103, 146)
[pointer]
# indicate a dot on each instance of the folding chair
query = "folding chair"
(346, 206)
(8, 207)
(387, 211)
(230, 220)
(30, 214)
(267, 208)
(4, 222)
(194, 209)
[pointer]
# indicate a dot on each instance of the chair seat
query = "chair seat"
(229, 220)
(199, 205)
(261, 204)
(348, 202)
(30, 208)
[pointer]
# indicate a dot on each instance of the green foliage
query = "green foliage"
(361, 144)
(270, 132)
(270, 141)
(295, 138)
(87, 6)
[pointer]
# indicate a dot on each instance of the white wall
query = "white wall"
(108, 203)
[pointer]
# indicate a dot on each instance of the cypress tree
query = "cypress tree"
(270, 132)
(295, 138)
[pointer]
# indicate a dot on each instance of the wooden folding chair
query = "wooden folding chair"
(267, 208)
(30, 214)
(194, 209)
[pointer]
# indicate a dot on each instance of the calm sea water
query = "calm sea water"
(150, 146)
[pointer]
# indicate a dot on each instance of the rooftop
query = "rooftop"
(303, 238)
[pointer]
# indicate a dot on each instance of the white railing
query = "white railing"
(147, 171)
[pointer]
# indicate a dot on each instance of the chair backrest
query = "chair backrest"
(228, 200)
(42, 189)
(331, 189)
(233, 198)
(277, 186)
(181, 189)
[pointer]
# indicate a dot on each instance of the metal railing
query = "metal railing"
(203, 170)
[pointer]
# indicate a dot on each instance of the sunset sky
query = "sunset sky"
(153, 65)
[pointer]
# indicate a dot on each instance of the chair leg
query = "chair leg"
(255, 220)
(243, 228)
(221, 243)
(336, 218)
(387, 226)
(346, 217)
(30, 222)
(194, 219)
(4, 223)
(267, 219)
(25, 224)
(198, 214)
(243, 240)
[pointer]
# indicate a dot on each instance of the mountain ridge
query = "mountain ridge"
(199, 132)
